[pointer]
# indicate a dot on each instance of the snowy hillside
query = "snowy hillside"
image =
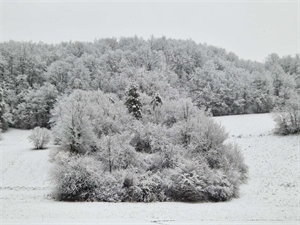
(272, 193)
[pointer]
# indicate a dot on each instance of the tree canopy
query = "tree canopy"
(34, 74)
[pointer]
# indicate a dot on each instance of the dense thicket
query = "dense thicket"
(33, 75)
(171, 151)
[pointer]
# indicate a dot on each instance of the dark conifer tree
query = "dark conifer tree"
(133, 102)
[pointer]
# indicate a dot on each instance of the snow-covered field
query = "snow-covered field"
(272, 193)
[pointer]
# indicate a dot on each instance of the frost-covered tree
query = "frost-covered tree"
(2, 121)
(34, 109)
(81, 118)
(58, 74)
(287, 118)
(72, 126)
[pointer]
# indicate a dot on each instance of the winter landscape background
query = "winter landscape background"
(149, 129)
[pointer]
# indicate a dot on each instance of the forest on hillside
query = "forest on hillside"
(34, 75)
(132, 117)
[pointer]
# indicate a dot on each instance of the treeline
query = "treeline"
(34, 75)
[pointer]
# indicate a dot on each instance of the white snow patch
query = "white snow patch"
(247, 125)
(272, 193)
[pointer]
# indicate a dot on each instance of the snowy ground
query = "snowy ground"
(272, 193)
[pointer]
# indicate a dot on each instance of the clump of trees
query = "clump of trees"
(170, 151)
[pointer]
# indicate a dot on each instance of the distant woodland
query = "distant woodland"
(35, 75)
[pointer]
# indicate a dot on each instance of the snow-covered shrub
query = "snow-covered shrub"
(82, 178)
(133, 194)
(233, 162)
(198, 133)
(219, 188)
(188, 187)
(40, 137)
(148, 187)
(228, 160)
(72, 124)
(287, 118)
(200, 184)
(153, 187)
(76, 179)
(110, 187)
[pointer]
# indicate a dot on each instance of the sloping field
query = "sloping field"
(272, 193)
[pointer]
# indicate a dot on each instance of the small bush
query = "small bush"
(287, 118)
(40, 137)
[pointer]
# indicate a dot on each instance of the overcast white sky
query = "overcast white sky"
(251, 29)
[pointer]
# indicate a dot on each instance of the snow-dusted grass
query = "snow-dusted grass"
(272, 193)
